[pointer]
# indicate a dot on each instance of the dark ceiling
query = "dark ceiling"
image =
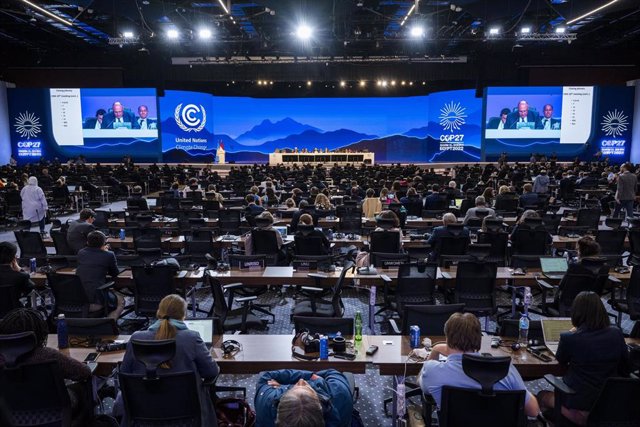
(353, 37)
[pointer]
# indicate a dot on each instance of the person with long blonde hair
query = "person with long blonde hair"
(191, 355)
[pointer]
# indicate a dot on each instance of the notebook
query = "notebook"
(204, 326)
(551, 330)
(553, 268)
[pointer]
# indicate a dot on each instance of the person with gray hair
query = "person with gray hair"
(34, 203)
(481, 206)
(294, 398)
(435, 240)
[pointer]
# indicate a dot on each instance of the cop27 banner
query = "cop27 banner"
(187, 127)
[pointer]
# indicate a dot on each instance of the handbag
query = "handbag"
(234, 412)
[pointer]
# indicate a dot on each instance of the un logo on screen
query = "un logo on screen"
(191, 117)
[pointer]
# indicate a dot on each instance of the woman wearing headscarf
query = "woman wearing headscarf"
(34, 203)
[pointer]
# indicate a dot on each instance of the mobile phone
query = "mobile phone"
(539, 355)
(91, 357)
(345, 356)
(372, 350)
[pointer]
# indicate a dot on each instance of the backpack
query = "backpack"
(234, 412)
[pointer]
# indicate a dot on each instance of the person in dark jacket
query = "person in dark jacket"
(136, 201)
(11, 274)
(291, 397)
(95, 262)
(191, 355)
(593, 351)
(80, 229)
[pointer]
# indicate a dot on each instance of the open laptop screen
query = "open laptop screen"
(552, 328)
(553, 265)
(282, 231)
(203, 326)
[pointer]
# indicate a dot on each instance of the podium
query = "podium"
(220, 155)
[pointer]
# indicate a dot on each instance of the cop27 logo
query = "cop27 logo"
(191, 117)
(27, 125)
(452, 116)
(614, 123)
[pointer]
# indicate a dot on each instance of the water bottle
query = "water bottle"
(523, 334)
(324, 348)
(122, 235)
(63, 333)
(358, 326)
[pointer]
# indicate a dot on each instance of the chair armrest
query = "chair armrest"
(231, 286)
(311, 289)
(394, 326)
(615, 280)
(246, 299)
(106, 286)
(385, 278)
(318, 275)
(544, 285)
(558, 384)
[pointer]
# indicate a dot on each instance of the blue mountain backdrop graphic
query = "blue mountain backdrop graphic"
(268, 130)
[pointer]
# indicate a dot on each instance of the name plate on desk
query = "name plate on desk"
(251, 265)
(392, 263)
(305, 265)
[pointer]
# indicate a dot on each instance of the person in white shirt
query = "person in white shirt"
(143, 121)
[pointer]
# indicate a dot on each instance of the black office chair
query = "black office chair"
(9, 299)
(198, 245)
(617, 404)
(476, 288)
(324, 325)
(307, 244)
(486, 406)
(239, 319)
(321, 307)
(350, 223)
(630, 302)
(453, 246)
(415, 285)
(590, 275)
(385, 242)
(499, 241)
(229, 221)
(612, 245)
(38, 395)
(510, 328)
(92, 327)
(588, 217)
(151, 285)
(528, 245)
(634, 246)
(265, 242)
(430, 318)
(414, 206)
(60, 242)
(167, 400)
(31, 246)
(71, 299)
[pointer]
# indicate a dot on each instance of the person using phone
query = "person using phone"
(292, 397)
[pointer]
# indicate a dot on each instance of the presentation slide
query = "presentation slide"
(437, 128)
(99, 124)
(569, 121)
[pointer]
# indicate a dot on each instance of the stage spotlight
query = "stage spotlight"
(363, 83)
(204, 34)
(393, 82)
(173, 34)
(304, 32)
(384, 83)
(308, 82)
(128, 34)
(494, 31)
(410, 83)
(343, 83)
(379, 83)
(403, 83)
(525, 30)
(561, 30)
(271, 82)
(417, 31)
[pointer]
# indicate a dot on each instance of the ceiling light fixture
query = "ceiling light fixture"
(494, 31)
(525, 30)
(304, 32)
(597, 9)
(49, 14)
(561, 30)
(128, 34)
(173, 34)
(408, 14)
(204, 33)
(417, 31)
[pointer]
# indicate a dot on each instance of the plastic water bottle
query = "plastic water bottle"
(358, 323)
(324, 348)
(122, 234)
(400, 402)
(523, 334)
(63, 333)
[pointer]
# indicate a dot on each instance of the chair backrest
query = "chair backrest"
(168, 400)
(70, 297)
(92, 327)
(508, 204)
(15, 346)
(385, 242)
(430, 318)
(611, 241)
(229, 220)
(309, 245)
(529, 241)
(9, 299)
(617, 404)
(31, 245)
(324, 325)
(416, 284)
(220, 307)
(147, 238)
(336, 299)
(350, 224)
(499, 242)
(462, 407)
(475, 285)
(264, 241)
(588, 217)
(152, 283)
(60, 243)
(511, 328)
(580, 277)
(633, 294)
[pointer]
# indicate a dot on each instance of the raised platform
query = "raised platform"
(324, 158)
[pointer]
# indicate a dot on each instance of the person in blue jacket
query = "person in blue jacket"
(325, 397)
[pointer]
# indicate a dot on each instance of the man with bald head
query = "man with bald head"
(522, 115)
(302, 398)
(118, 117)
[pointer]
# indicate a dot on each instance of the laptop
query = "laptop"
(282, 230)
(551, 330)
(204, 326)
(553, 268)
(71, 188)
(151, 203)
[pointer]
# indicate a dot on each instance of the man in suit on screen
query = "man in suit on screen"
(547, 121)
(528, 119)
(95, 122)
(143, 121)
(118, 118)
(499, 122)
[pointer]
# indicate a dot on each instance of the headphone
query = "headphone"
(230, 348)
(309, 342)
